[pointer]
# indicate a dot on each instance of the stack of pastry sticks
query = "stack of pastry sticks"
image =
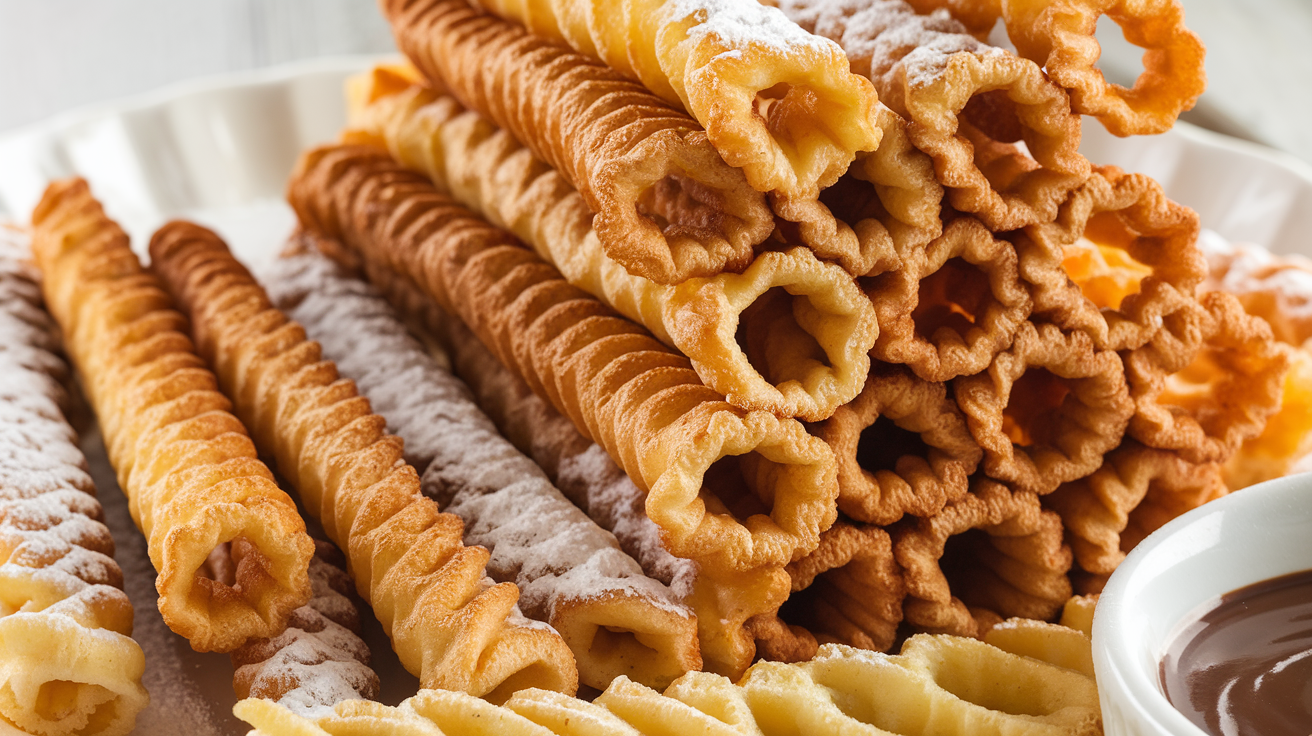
(778, 327)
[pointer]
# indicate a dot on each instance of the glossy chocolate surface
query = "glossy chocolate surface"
(1245, 667)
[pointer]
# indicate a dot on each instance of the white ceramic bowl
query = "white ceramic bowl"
(1249, 536)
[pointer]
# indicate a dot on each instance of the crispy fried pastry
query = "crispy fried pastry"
(1287, 436)
(1206, 401)
(67, 664)
(938, 684)
(962, 97)
(1047, 409)
(737, 490)
(1119, 259)
(1277, 288)
(951, 307)
(320, 659)
(776, 102)
(814, 354)
(1161, 504)
(668, 207)
(448, 624)
(1096, 509)
(978, 16)
(571, 573)
(902, 447)
(1060, 36)
(187, 466)
(849, 590)
(1051, 643)
(995, 550)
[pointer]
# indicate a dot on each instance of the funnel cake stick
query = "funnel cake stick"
(187, 466)
(817, 354)
(668, 207)
(449, 625)
(65, 623)
(320, 659)
(622, 388)
(776, 102)
(571, 572)
(966, 102)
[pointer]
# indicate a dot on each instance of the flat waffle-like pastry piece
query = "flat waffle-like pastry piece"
(449, 625)
(968, 104)
(187, 466)
(1060, 36)
(668, 207)
(1096, 509)
(951, 307)
(995, 551)
(815, 355)
(571, 573)
(1207, 381)
(67, 664)
(776, 102)
(737, 490)
(1118, 260)
(1047, 409)
(320, 659)
(903, 447)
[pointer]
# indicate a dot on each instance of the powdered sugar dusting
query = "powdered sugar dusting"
(537, 538)
(739, 23)
(1276, 288)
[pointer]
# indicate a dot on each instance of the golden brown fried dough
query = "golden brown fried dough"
(668, 207)
(187, 466)
(961, 95)
(902, 447)
(775, 101)
(449, 625)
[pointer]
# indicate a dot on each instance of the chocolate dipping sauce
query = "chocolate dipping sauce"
(1245, 667)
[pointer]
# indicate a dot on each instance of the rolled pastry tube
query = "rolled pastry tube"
(815, 357)
(1004, 553)
(1047, 409)
(67, 662)
(320, 659)
(449, 625)
(667, 206)
(774, 486)
(587, 475)
(1060, 36)
(903, 447)
(776, 102)
(951, 307)
(189, 470)
(966, 103)
(571, 572)
(1119, 260)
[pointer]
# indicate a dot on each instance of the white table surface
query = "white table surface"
(60, 54)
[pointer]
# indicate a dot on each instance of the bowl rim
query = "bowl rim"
(1120, 677)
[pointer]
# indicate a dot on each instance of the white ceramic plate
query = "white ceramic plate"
(219, 150)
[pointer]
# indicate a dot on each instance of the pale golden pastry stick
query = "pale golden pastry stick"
(67, 664)
(1005, 556)
(571, 573)
(1047, 409)
(449, 625)
(776, 102)
(187, 466)
(959, 95)
(771, 487)
(1060, 36)
(951, 307)
(1118, 260)
(584, 472)
(668, 207)
(817, 356)
(1207, 381)
(1067, 643)
(902, 447)
(848, 591)
(320, 659)
(1096, 509)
